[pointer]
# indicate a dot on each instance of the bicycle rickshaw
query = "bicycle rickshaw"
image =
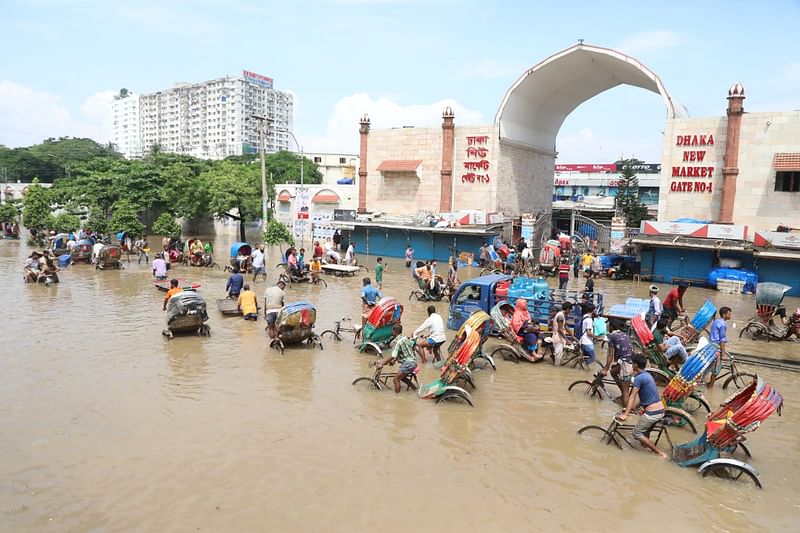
(482, 323)
(377, 333)
(345, 325)
(767, 322)
(186, 313)
(110, 257)
(512, 349)
(295, 324)
(59, 244)
(197, 259)
(725, 429)
(381, 380)
(240, 257)
(689, 332)
(455, 368)
(289, 277)
(82, 252)
(426, 294)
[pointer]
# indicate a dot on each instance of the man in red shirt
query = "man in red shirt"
(563, 274)
(673, 303)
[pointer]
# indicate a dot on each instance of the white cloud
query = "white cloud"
(27, 116)
(646, 41)
(488, 69)
(586, 146)
(341, 134)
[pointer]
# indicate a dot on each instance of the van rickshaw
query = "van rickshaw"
(295, 325)
(82, 251)
(240, 257)
(59, 244)
(186, 313)
(377, 333)
(455, 368)
(110, 257)
(768, 321)
(512, 349)
(482, 323)
(199, 258)
(287, 276)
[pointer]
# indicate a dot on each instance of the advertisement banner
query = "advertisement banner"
(778, 239)
(589, 167)
(258, 79)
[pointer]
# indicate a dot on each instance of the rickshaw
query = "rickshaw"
(197, 259)
(295, 325)
(690, 331)
(549, 256)
(767, 323)
(742, 413)
(83, 251)
(482, 323)
(59, 244)
(693, 401)
(511, 349)
(425, 294)
(186, 313)
(377, 333)
(455, 368)
(110, 257)
(240, 257)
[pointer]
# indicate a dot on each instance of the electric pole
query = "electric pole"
(265, 214)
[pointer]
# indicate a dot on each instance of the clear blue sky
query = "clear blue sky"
(398, 60)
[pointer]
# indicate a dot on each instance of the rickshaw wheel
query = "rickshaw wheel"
(695, 403)
(740, 380)
(317, 340)
(454, 397)
(367, 383)
(506, 352)
(332, 334)
(420, 296)
(731, 470)
(598, 434)
(586, 388)
(485, 361)
(321, 281)
(467, 379)
(678, 418)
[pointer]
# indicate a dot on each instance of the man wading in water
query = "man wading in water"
(645, 387)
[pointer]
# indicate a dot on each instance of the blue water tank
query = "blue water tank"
(540, 289)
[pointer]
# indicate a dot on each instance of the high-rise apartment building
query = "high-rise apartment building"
(211, 120)
(127, 135)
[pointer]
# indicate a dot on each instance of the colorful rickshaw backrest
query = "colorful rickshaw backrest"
(298, 314)
(387, 311)
(245, 248)
(742, 412)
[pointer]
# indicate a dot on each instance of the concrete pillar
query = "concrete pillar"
(362, 165)
(730, 169)
(448, 127)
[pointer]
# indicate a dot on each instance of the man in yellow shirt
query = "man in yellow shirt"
(315, 268)
(248, 304)
(586, 262)
(173, 290)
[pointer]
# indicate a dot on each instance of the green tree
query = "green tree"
(285, 168)
(234, 187)
(97, 221)
(36, 212)
(166, 226)
(185, 191)
(65, 223)
(627, 202)
(277, 234)
(125, 218)
(8, 213)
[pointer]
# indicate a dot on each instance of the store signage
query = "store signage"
(777, 238)
(711, 231)
(644, 168)
(611, 167)
(692, 155)
(476, 162)
(258, 79)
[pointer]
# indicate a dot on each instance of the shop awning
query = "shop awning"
(787, 161)
(773, 253)
(284, 197)
(691, 243)
(400, 166)
(326, 197)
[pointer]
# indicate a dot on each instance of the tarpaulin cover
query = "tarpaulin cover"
(749, 277)
(186, 303)
(770, 293)
(297, 314)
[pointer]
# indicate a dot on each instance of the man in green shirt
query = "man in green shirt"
(404, 354)
(379, 268)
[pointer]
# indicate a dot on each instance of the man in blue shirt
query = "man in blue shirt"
(719, 336)
(369, 297)
(235, 284)
(645, 387)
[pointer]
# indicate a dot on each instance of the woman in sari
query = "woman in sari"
(522, 325)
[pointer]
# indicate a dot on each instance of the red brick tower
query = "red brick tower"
(730, 169)
(362, 165)
(448, 127)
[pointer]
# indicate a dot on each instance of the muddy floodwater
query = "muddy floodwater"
(108, 426)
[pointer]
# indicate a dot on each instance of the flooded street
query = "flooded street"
(109, 426)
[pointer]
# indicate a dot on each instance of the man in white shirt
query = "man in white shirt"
(434, 325)
(257, 261)
(96, 250)
(587, 334)
(350, 255)
(273, 302)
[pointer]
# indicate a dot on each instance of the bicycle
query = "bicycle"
(597, 387)
(618, 432)
(381, 381)
(345, 325)
(730, 369)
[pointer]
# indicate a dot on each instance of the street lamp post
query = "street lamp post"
(262, 121)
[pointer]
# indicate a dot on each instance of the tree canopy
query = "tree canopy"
(125, 218)
(166, 226)
(8, 213)
(36, 212)
(285, 168)
(52, 159)
(627, 202)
